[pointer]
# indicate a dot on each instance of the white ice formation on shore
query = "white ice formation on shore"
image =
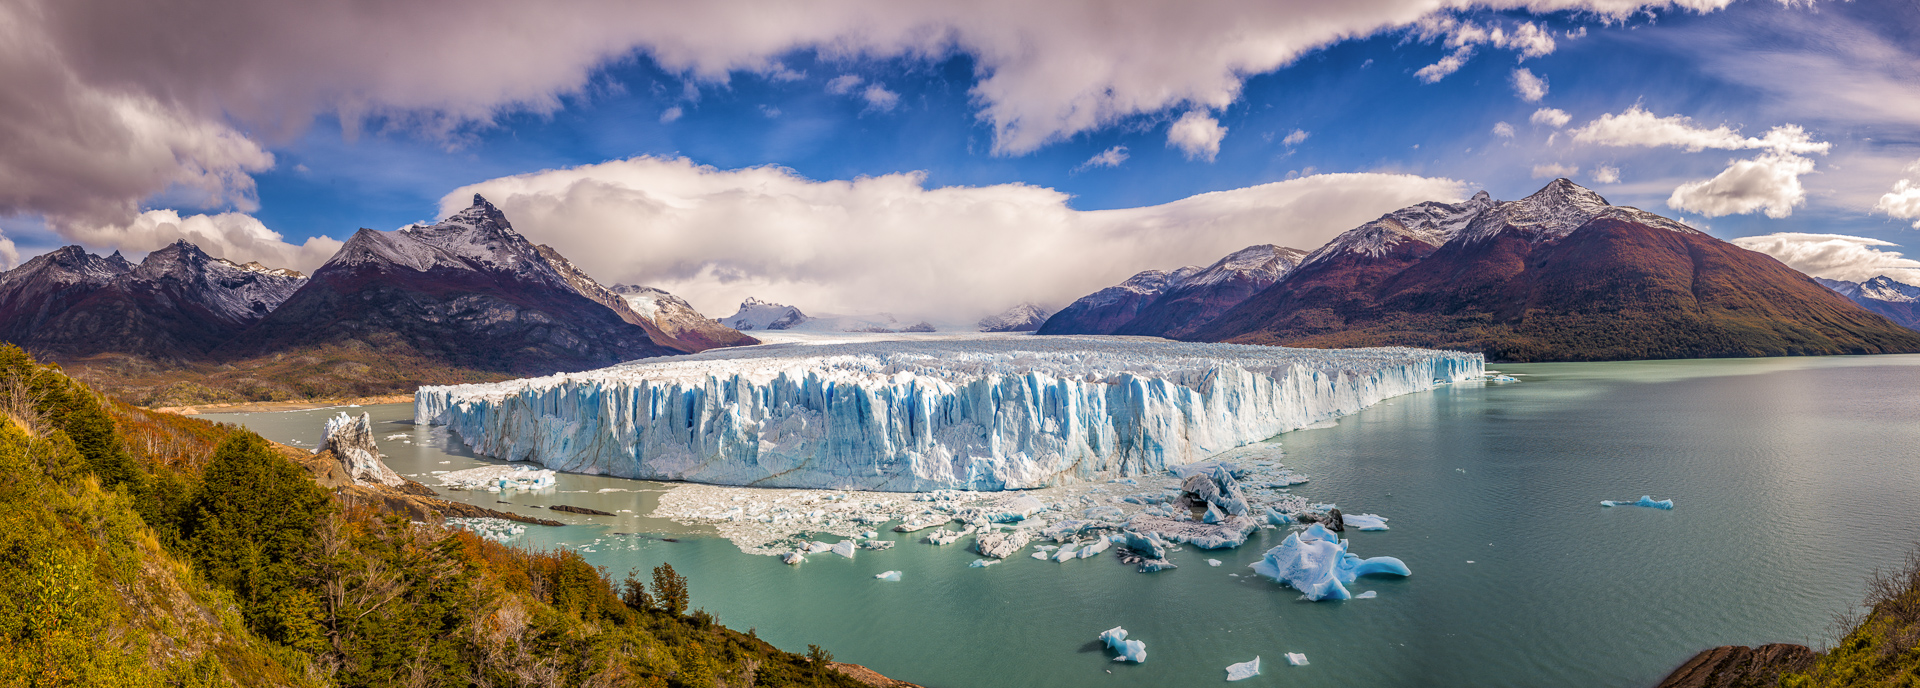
(498, 478)
(924, 415)
(351, 440)
(1316, 563)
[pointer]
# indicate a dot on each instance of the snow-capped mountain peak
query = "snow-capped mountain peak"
(1885, 288)
(1264, 262)
(1432, 223)
(1555, 211)
(1025, 317)
(755, 314)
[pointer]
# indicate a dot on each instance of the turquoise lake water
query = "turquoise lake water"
(1793, 477)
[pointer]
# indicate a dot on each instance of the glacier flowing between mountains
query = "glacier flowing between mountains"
(923, 415)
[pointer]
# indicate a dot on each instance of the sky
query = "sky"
(938, 160)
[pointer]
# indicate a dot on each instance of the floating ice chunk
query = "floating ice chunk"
(843, 548)
(1296, 659)
(1000, 545)
(1066, 553)
(817, 547)
(888, 576)
(1365, 521)
(1317, 563)
(869, 535)
(1276, 518)
(1244, 670)
(982, 563)
(792, 558)
(946, 537)
(876, 544)
(1368, 595)
(1213, 562)
(1645, 500)
(1105, 513)
(1148, 545)
(1042, 555)
(1213, 514)
(1130, 650)
(1094, 549)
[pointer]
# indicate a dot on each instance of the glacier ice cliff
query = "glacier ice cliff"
(924, 415)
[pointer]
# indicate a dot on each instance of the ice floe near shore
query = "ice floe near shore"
(1129, 650)
(924, 415)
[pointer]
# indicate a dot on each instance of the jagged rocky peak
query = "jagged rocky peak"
(1886, 288)
(255, 266)
(235, 292)
(1432, 223)
(1555, 211)
(70, 265)
(351, 441)
(755, 314)
(1262, 263)
(1025, 317)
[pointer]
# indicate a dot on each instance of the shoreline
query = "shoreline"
(271, 406)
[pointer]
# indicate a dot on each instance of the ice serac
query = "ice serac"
(923, 415)
(351, 440)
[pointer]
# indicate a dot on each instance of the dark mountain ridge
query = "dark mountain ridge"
(1559, 275)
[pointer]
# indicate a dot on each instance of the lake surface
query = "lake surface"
(1793, 478)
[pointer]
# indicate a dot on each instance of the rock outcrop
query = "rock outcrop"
(1735, 666)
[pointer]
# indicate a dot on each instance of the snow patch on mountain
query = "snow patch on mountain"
(1555, 211)
(755, 314)
(1264, 263)
(1884, 288)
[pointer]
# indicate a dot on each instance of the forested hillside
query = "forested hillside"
(148, 549)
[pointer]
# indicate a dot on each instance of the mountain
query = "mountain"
(469, 291)
(1025, 317)
(1898, 301)
(177, 303)
(678, 319)
(1559, 275)
(755, 314)
(1108, 310)
(1206, 294)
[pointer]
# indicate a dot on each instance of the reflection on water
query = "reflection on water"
(1793, 479)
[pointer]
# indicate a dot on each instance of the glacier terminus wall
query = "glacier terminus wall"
(920, 415)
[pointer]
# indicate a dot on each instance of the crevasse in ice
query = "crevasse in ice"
(923, 415)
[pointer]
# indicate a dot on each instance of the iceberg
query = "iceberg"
(1645, 500)
(1130, 650)
(1368, 595)
(498, 479)
(983, 563)
(1365, 521)
(1296, 659)
(843, 548)
(792, 558)
(1244, 670)
(351, 440)
(1275, 518)
(1213, 562)
(925, 415)
(1316, 563)
(888, 576)
(1000, 545)
(1094, 549)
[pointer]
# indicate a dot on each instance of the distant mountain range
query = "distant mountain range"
(1898, 301)
(467, 293)
(1175, 304)
(1559, 275)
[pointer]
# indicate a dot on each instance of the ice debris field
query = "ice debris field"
(926, 415)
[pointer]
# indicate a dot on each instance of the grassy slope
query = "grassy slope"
(1882, 649)
(154, 549)
(333, 371)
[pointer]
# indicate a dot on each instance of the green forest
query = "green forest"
(150, 549)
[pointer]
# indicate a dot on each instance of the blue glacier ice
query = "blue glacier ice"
(1130, 650)
(1316, 563)
(1645, 500)
(1276, 518)
(1243, 670)
(924, 415)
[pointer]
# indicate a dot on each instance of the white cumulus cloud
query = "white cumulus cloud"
(1768, 183)
(1552, 117)
(1433, 73)
(879, 98)
(889, 243)
(1111, 157)
(1529, 86)
(1903, 202)
(1503, 129)
(1606, 174)
(1295, 138)
(1834, 256)
(1198, 134)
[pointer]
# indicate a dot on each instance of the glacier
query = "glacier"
(920, 415)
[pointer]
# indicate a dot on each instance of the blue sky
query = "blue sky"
(1840, 72)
